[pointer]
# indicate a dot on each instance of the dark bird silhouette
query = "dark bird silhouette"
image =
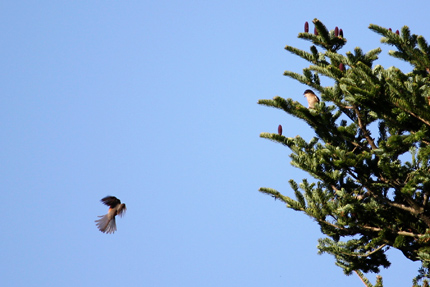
(106, 223)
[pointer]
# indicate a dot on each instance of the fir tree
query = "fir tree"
(370, 157)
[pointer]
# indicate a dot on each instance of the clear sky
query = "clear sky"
(155, 102)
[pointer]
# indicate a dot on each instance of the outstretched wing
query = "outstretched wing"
(111, 201)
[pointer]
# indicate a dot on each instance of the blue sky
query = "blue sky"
(155, 102)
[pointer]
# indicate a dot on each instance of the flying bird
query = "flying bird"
(312, 98)
(106, 223)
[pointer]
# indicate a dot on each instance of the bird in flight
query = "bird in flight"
(106, 223)
(312, 98)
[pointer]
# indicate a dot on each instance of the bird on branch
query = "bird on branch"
(312, 98)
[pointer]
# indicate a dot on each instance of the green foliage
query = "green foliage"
(368, 196)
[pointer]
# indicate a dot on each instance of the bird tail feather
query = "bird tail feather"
(106, 224)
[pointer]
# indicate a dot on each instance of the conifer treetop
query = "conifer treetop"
(371, 152)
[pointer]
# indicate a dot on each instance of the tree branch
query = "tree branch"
(365, 254)
(363, 128)
(371, 228)
(414, 209)
(404, 233)
(413, 114)
(362, 278)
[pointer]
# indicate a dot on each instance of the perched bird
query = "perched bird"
(106, 223)
(312, 98)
